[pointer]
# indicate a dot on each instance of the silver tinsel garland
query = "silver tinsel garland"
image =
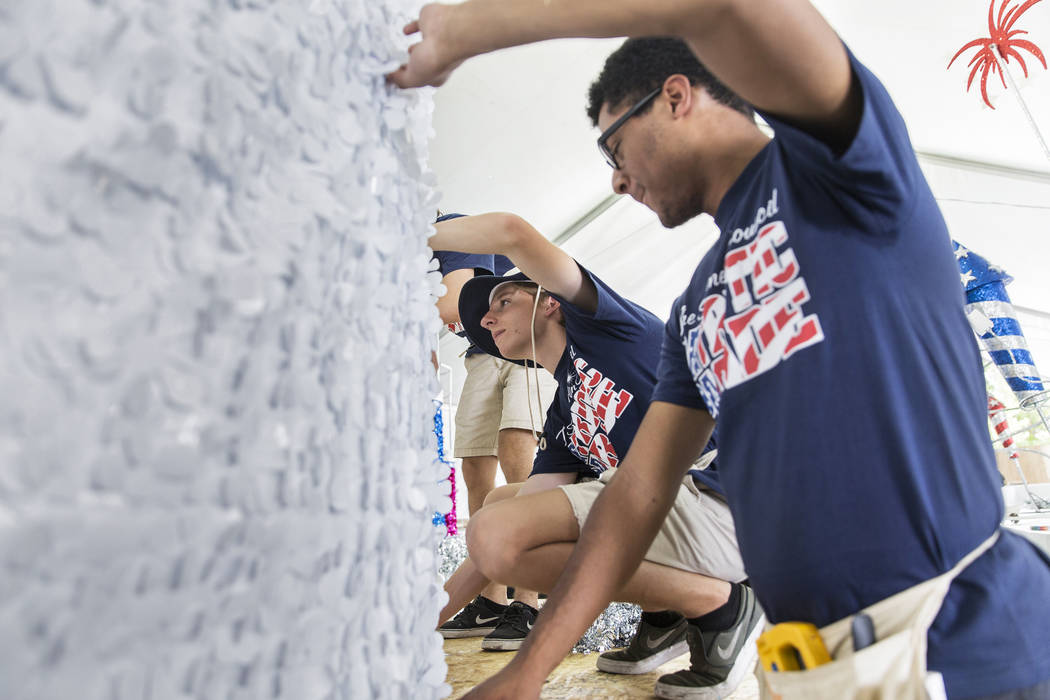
(613, 628)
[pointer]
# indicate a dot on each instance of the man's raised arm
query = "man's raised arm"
(621, 526)
(537, 257)
(779, 55)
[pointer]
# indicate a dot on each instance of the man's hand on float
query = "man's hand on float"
(433, 58)
(505, 685)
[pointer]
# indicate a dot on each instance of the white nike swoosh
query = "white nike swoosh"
(482, 620)
(529, 624)
(726, 652)
(654, 642)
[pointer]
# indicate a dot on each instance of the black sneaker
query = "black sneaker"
(476, 620)
(650, 647)
(512, 628)
(718, 661)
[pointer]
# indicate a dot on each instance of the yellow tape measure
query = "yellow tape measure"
(792, 646)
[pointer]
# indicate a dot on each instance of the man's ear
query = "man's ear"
(550, 306)
(679, 94)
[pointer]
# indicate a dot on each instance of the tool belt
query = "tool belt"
(893, 667)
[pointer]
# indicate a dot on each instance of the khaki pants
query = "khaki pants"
(697, 536)
(495, 398)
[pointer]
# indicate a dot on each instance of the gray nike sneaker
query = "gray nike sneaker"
(477, 619)
(650, 647)
(718, 661)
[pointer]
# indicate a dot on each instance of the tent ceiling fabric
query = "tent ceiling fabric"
(512, 134)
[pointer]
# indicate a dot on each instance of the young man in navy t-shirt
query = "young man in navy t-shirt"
(603, 351)
(495, 426)
(825, 331)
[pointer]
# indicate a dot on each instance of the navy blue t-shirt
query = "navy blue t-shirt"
(825, 332)
(450, 261)
(605, 379)
(502, 265)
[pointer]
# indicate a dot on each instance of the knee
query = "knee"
(501, 493)
(478, 469)
(490, 545)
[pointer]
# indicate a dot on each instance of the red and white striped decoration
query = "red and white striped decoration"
(997, 413)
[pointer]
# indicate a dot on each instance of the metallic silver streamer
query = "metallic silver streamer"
(451, 553)
(613, 628)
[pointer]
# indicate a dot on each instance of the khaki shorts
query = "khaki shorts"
(494, 398)
(697, 536)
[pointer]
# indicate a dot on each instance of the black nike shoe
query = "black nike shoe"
(512, 629)
(477, 619)
(718, 661)
(650, 647)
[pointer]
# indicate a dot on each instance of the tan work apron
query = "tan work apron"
(894, 667)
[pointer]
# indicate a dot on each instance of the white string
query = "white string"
(535, 372)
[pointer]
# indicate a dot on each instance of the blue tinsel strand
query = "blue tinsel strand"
(447, 519)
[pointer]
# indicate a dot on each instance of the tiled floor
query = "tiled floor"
(576, 677)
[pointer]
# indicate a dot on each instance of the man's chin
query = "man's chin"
(674, 216)
(509, 353)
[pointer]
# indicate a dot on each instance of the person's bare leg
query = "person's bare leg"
(516, 449)
(462, 586)
(479, 476)
(497, 591)
(527, 541)
(467, 582)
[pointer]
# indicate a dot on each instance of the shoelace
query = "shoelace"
(697, 651)
(516, 616)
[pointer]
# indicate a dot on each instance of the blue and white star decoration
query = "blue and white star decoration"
(994, 320)
(975, 271)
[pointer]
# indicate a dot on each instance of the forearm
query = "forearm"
(514, 22)
(462, 587)
(482, 234)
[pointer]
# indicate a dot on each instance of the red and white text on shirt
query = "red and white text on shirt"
(767, 324)
(596, 404)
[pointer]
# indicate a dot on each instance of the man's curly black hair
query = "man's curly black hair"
(641, 65)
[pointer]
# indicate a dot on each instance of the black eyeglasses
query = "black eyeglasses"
(603, 140)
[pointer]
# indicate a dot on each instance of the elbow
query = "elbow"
(448, 315)
(513, 230)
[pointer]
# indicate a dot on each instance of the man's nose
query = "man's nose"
(621, 184)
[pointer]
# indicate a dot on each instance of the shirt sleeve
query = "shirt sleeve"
(674, 381)
(874, 180)
(613, 316)
(450, 261)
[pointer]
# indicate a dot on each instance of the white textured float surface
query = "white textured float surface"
(216, 447)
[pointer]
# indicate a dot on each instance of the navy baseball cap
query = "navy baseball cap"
(446, 217)
(474, 301)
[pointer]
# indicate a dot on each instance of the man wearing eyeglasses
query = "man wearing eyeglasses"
(824, 330)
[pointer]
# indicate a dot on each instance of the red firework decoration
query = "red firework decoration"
(1004, 38)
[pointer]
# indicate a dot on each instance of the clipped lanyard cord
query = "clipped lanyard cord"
(535, 372)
